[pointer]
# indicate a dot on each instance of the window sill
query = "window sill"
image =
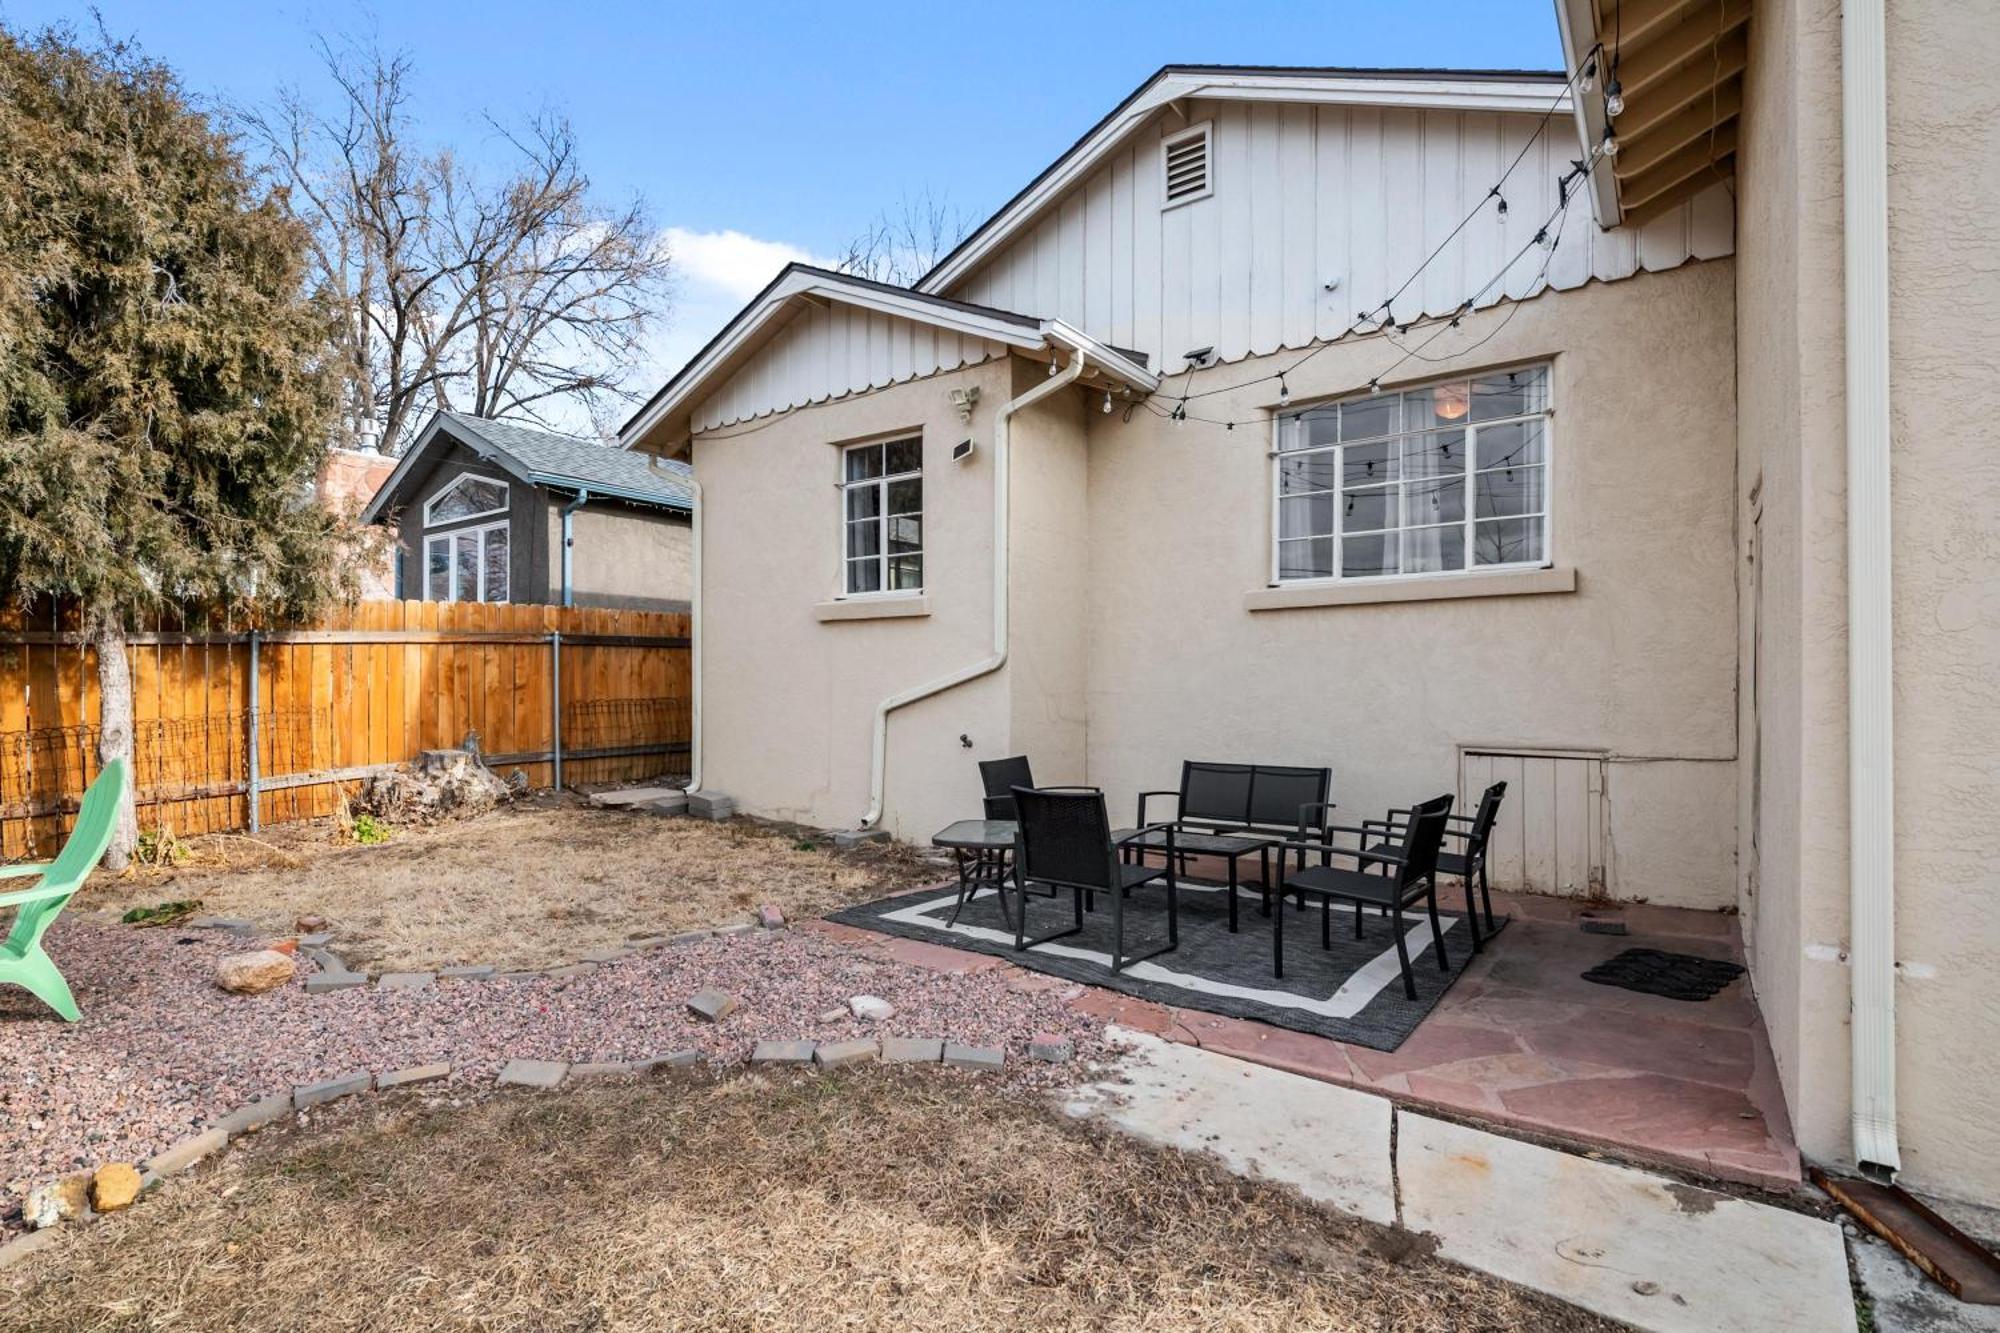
(874, 608)
(1518, 583)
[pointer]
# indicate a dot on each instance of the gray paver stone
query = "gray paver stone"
(711, 1005)
(468, 972)
(983, 1058)
(600, 1069)
(833, 1054)
(404, 1078)
(607, 955)
(533, 1073)
(782, 1053)
(690, 937)
(912, 1050)
(188, 1151)
(406, 981)
(671, 1060)
(254, 1115)
(312, 1094)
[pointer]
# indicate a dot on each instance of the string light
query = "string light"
(1614, 98)
(1284, 390)
(1107, 402)
(1610, 145)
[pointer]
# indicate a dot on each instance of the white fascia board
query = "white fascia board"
(824, 287)
(379, 501)
(1104, 357)
(1578, 26)
(1514, 95)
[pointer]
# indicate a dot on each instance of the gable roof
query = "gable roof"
(544, 458)
(767, 311)
(1448, 89)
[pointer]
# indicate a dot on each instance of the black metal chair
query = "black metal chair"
(1469, 861)
(1065, 842)
(1413, 877)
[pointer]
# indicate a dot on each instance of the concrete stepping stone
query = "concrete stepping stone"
(711, 1006)
(834, 1054)
(407, 981)
(986, 1059)
(533, 1073)
(912, 1050)
(782, 1053)
(312, 1094)
(405, 1078)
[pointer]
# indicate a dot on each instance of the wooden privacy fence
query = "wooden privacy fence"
(235, 729)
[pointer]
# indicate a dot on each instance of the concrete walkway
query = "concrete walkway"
(1625, 1243)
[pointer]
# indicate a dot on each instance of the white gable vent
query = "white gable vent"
(1184, 167)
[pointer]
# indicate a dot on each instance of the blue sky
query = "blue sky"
(761, 132)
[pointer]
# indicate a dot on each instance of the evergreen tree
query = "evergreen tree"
(165, 391)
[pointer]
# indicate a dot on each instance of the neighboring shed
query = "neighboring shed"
(496, 512)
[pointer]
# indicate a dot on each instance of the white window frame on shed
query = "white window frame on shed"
(430, 505)
(450, 539)
(853, 530)
(1401, 446)
(1205, 133)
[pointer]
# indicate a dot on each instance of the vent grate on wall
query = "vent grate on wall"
(1185, 160)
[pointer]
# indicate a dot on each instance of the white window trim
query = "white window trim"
(1205, 132)
(450, 537)
(843, 486)
(1467, 571)
(455, 483)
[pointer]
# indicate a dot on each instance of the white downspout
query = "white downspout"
(998, 658)
(1871, 814)
(694, 643)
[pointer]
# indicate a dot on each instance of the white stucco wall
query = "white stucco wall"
(1637, 662)
(1945, 488)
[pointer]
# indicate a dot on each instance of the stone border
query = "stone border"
(335, 975)
(546, 1075)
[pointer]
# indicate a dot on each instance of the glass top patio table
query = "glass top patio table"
(977, 835)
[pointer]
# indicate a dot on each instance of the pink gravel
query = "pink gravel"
(161, 1052)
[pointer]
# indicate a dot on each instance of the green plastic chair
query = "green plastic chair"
(22, 962)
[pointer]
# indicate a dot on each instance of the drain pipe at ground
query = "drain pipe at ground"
(1871, 751)
(694, 641)
(877, 775)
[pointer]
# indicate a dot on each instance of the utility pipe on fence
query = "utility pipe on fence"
(251, 786)
(555, 704)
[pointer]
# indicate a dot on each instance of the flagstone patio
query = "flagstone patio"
(1522, 1040)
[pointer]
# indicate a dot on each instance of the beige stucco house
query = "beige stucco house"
(1616, 431)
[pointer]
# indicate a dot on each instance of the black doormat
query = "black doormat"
(1350, 992)
(1678, 976)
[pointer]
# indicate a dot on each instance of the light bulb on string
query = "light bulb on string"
(1107, 402)
(1614, 98)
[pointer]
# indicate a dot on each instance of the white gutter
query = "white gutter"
(1871, 814)
(578, 501)
(998, 658)
(694, 643)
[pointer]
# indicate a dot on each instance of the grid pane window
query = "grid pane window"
(1433, 480)
(470, 565)
(882, 514)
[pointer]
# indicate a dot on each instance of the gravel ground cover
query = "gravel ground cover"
(161, 1052)
(871, 1200)
(532, 885)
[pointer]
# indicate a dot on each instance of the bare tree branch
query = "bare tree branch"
(906, 241)
(520, 297)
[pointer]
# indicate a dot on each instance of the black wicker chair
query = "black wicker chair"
(1468, 862)
(1000, 777)
(1411, 863)
(1065, 842)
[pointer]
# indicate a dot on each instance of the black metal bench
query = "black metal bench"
(1232, 810)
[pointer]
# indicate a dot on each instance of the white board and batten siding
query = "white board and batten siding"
(1306, 195)
(829, 351)
(1551, 835)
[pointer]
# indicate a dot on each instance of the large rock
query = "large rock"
(254, 973)
(114, 1186)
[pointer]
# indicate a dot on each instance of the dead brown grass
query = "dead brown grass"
(519, 888)
(873, 1202)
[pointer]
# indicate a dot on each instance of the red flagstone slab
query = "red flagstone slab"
(1620, 1040)
(1435, 1043)
(1665, 1114)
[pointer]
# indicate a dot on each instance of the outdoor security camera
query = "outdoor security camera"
(964, 400)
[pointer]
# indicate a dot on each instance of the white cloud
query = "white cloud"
(715, 272)
(730, 262)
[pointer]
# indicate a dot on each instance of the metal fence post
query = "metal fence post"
(555, 703)
(252, 786)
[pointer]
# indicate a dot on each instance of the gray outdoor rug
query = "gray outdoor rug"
(1352, 992)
